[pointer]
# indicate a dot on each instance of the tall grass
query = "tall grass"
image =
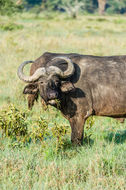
(101, 163)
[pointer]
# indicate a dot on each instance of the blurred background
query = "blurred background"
(71, 7)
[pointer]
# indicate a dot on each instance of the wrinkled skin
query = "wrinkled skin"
(96, 88)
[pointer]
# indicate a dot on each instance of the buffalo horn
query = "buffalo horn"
(63, 74)
(39, 72)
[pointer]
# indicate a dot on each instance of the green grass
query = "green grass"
(100, 164)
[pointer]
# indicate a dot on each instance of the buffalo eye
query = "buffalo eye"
(41, 82)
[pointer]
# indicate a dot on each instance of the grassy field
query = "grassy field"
(100, 164)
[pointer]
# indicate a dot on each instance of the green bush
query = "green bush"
(58, 133)
(39, 130)
(8, 7)
(10, 26)
(116, 6)
(16, 125)
(13, 122)
(87, 133)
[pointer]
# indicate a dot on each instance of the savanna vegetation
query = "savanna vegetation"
(71, 7)
(35, 148)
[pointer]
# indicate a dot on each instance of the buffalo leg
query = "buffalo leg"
(77, 130)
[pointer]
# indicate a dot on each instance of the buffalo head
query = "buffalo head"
(49, 81)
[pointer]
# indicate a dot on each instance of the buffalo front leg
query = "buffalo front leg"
(77, 130)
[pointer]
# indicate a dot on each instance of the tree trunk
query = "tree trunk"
(43, 4)
(101, 6)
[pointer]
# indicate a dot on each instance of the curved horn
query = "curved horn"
(63, 74)
(39, 72)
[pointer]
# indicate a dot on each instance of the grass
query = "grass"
(98, 165)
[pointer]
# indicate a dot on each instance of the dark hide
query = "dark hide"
(96, 88)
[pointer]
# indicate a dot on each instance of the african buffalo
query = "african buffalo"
(85, 85)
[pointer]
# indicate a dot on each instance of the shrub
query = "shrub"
(58, 133)
(10, 26)
(8, 7)
(89, 124)
(13, 122)
(39, 130)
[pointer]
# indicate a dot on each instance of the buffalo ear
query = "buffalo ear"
(67, 87)
(30, 89)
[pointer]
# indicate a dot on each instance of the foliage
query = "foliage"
(51, 5)
(90, 122)
(34, 2)
(71, 7)
(13, 122)
(10, 26)
(116, 6)
(39, 130)
(8, 7)
(59, 132)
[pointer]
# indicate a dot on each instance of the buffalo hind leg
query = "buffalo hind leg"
(77, 130)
